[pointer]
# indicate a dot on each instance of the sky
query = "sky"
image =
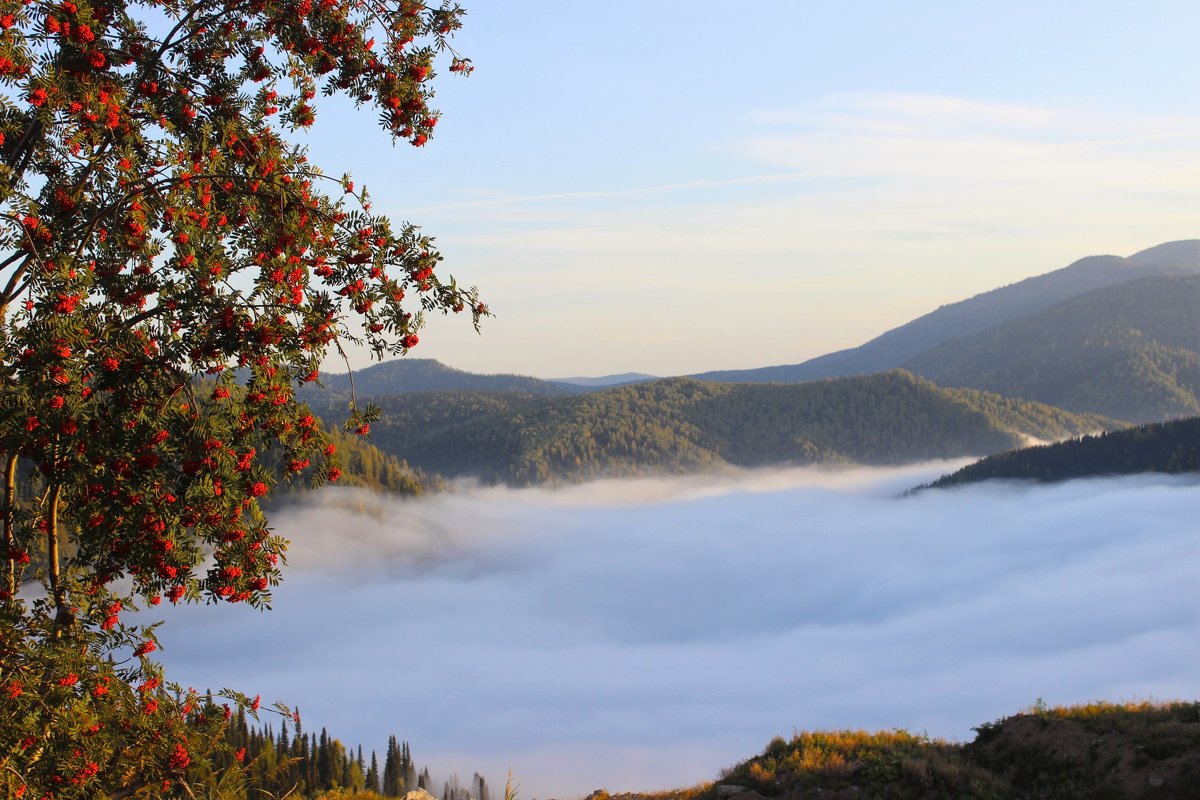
(639, 635)
(670, 186)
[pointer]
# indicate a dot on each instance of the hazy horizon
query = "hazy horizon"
(340, 367)
(639, 635)
(671, 188)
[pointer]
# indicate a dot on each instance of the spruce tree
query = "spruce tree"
(372, 782)
(324, 762)
(408, 772)
(392, 773)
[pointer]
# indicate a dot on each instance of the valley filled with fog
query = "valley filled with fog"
(643, 634)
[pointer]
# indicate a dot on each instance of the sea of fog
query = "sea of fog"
(639, 635)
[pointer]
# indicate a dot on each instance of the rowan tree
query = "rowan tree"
(171, 268)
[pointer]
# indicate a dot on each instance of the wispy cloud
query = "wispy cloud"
(941, 139)
(493, 200)
(913, 114)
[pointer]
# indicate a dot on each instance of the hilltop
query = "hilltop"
(1130, 351)
(1099, 751)
(405, 375)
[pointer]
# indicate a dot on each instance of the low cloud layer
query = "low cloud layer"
(645, 634)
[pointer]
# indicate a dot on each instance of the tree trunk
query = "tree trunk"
(10, 511)
(63, 614)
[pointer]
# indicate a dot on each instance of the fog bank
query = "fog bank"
(645, 634)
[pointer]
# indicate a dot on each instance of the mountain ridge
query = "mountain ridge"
(406, 375)
(603, 381)
(1130, 351)
(895, 347)
(679, 425)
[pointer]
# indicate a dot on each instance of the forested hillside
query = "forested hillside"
(364, 465)
(523, 440)
(681, 425)
(1130, 351)
(1169, 447)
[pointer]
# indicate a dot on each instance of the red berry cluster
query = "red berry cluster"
(173, 268)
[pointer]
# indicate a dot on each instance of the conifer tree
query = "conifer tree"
(324, 766)
(358, 772)
(372, 781)
(392, 770)
(408, 772)
(311, 781)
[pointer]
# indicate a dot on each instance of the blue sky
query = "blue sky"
(671, 187)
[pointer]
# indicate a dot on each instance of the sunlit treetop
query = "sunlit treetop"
(159, 221)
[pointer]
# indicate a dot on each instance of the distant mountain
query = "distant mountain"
(682, 425)
(1130, 351)
(405, 375)
(901, 345)
(607, 380)
(1169, 447)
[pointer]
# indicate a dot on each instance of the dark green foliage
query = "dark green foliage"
(399, 773)
(680, 425)
(1170, 447)
(1033, 419)
(1100, 750)
(372, 779)
(525, 439)
(890, 418)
